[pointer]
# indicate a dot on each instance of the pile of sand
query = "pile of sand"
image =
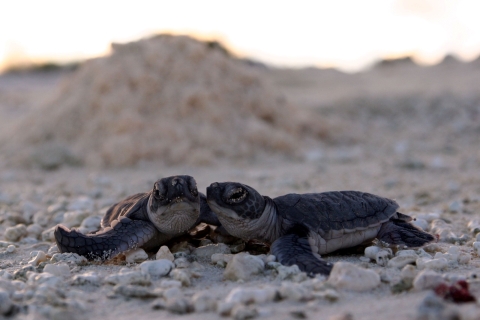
(168, 98)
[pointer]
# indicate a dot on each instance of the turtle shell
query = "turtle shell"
(335, 210)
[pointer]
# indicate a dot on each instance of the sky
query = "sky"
(346, 34)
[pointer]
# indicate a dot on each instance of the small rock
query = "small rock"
(39, 257)
(476, 247)
(251, 295)
(157, 268)
(474, 226)
(328, 294)
(158, 304)
(206, 252)
(181, 263)
(82, 203)
(89, 278)
(408, 273)
(178, 305)
(167, 283)
(181, 276)
(427, 279)
(289, 272)
(126, 276)
(164, 253)
(60, 269)
(10, 248)
(44, 278)
(171, 293)
(243, 266)
(348, 276)
(52, 250)
(436, 264)
(90, 224)
(35, 231)
(421, 223)
(382, 257)
(5, 302)
(74, 218)
(464, 258)
(295, 292)
(203, 302)
(371, 252)
(136, 255)
(134, 291)
(455, 207)
(402, 260)
(241, 312)
(68, 257)
(221, 259)
(16, 233)
(48, 235)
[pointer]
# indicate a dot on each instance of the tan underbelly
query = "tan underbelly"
(339, 239)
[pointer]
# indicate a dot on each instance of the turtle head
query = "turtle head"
(174, 204)
(238, 207)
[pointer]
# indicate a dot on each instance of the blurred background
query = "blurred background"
(118, 83)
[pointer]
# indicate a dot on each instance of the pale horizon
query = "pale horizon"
(347, 35)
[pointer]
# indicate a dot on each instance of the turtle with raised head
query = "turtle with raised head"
(301, 227)
(145, 220)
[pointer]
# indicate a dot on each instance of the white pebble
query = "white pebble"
(48, 235)
(464, 258)
(243, 266)
(382, 257)
(126, 276)
(60, 269)
(44, 278)
(420, 262)
(251, 295)
(241, 312)
(74, 218)
(90, 224)
(11, 248)
(135, 255)
(421, 223)
(90, 278)
(5, 302)
(181, 276)
(477, 237)
(348, 276)
(292, 272)
(171, 293)
(207, 251)
(181, 263)
(82, 203)
(401, 261)
(427, 279)
(157, 268)
(35, 231)
(429, 217)
(203, 302)
(52, 250)
(474, 226)
(15, 233)
(476, 247)
(39, 257)
(436, 264)
(164, 253)
(221, 258)
(68, 257)
(408, 273)
(371, 252)
(168, 283)
(456, 206)
(295, 292)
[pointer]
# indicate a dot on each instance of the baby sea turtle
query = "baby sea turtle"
(300, 227)
(145, 220)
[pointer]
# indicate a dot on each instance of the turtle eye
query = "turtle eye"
(237, 196)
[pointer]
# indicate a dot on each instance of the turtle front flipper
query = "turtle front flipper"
(124, 235)
(294, 249)
(400, 232)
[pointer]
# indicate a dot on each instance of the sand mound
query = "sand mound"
(169, 98)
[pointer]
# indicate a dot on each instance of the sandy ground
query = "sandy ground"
(404, 132)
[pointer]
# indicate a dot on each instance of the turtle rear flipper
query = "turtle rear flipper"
(124, 235)
(399, 232)
(294, 249)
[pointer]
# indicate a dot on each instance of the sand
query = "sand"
(401, 131)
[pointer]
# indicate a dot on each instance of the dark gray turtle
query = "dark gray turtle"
(300, 227)
(145, 220)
